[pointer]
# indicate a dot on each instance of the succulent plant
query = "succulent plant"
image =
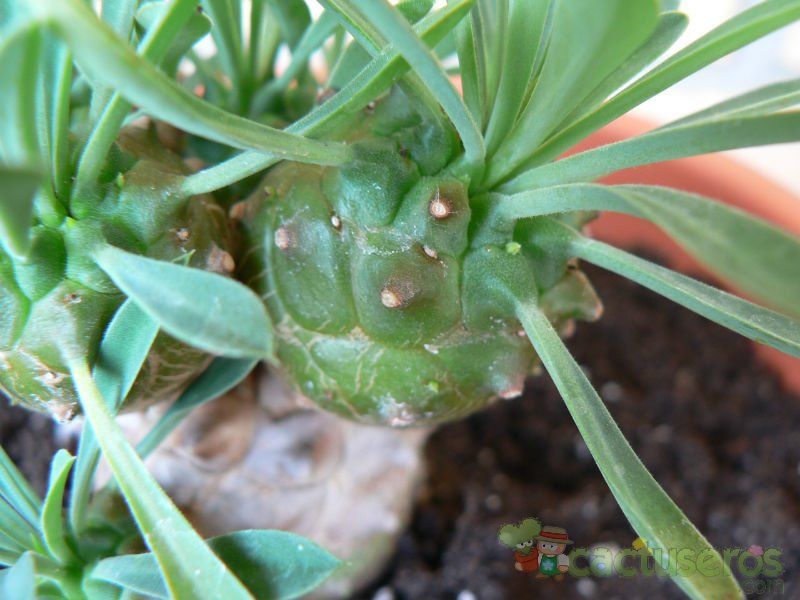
(417, 249)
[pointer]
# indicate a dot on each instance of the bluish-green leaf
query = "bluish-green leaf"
(17, 534)
(227, 33)
(355, 58)
(180, 41)
(583, 50)
(671, 26)
(53, 509)
(18, 187)
(191, 570)
(125, 346)
(272, 564)
(19, 63)
(221, 376)
(755, 256)
(472, 78)
(119, 15)
(743, 29)
(651, 512)
(375, 79)
(375, 42)
(745, 318)
(669, 143)
(143, 84)
(19, 582)
(164, 22)
(17, 491)
(762, 101)
(523, 42)
(293, 18)
(205, 310)
(397, 30)
(314, 38)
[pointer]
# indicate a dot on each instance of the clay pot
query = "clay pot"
(715, 176)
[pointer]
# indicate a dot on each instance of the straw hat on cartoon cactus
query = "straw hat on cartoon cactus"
(557, 535)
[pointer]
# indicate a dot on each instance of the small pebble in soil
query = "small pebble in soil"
(611, 392)
(493, 502)
(385, 593)
(586, 588)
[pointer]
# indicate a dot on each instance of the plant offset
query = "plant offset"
(411, 250)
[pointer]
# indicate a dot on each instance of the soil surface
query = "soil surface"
(28, 439)
(711, 423)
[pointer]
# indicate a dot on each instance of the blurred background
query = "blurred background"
(774, 58)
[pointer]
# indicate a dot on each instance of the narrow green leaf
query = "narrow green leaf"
(743, 317)
(522, 44)
(95, 589)
(119, 16)
(743, 29)
(293, 18)
(588, 50)
(168, 20)
(489, 21)
(227, 33)
(355, 57)
(125, 346)
(17, 491)
(651, 512)
(19, 582)
(397, 30)
(375, 79)
(375, 42)
(758, 258)
(19, 187)
(180, 39)
(221, 376)
(18, 535)
(190, 569)
(272, 564)
(52, 523)
(312, 40)
(144, 85)
(19, 65)
(671, 25)
(669, 143)
(762, 101)
(54, 108)
(472, 83)
(205, 310)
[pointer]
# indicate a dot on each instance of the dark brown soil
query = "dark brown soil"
(710, 422)
(715, 428)
(28, 439)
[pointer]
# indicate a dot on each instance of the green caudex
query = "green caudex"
(385, 310)
(58, 301)
(415, 254)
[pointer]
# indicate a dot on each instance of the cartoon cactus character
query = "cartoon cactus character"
(417, 249)
(522, 536)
